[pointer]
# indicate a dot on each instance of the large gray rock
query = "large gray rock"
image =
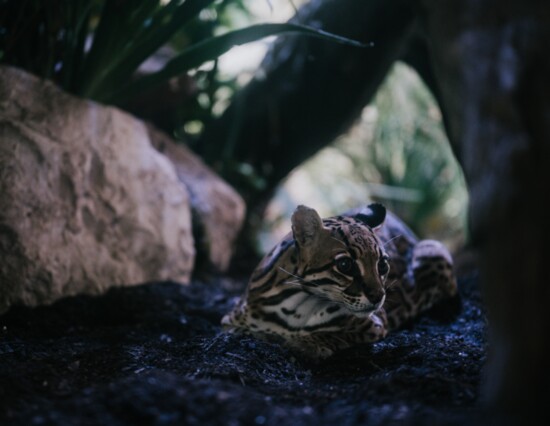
(86, 202)
(218, 211)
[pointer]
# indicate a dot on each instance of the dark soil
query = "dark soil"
(154, 354)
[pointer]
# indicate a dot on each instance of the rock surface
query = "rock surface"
(218, 211)
(86, 201)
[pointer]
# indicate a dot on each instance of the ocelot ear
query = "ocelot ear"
(373, 215)
(306, 226)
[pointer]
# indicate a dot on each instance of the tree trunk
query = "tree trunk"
(492, 63)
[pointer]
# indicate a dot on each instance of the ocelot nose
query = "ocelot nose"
(375, 296)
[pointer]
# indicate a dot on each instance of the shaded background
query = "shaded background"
(491, 63)
(392, 149)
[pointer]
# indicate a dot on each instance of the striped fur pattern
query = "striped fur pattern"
(337, 282)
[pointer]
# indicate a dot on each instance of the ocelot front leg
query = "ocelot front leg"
(353, 330)
(428, 279)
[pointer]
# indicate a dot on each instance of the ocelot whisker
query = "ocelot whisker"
(291, 274)
(301, 281)
(296, 283)
(390, 285)
(391, 239)
(339, 241)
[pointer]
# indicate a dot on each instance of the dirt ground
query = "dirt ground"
(155, 354)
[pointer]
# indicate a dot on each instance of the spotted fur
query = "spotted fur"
(337, 282)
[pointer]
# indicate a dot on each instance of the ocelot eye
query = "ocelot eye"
(383, 266)
(344, 265)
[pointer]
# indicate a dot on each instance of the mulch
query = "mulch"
(155, 354)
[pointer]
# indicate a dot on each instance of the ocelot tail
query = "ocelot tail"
(342, 281)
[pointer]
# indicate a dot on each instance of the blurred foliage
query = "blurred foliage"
(397, 154)
(408, 162)
(91, 47)
(94, 48)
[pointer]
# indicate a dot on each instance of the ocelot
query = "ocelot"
(345, 280)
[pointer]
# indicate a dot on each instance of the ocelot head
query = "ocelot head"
(340, 258)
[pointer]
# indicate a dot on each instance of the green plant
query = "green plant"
(94, 47)
(411, 156)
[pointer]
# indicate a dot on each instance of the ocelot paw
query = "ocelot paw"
(432, 268)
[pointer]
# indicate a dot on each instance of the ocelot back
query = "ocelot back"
(333, 283)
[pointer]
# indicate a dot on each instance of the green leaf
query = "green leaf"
(211, 48)
(136, 37)
(104, 35)
(164, 24)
